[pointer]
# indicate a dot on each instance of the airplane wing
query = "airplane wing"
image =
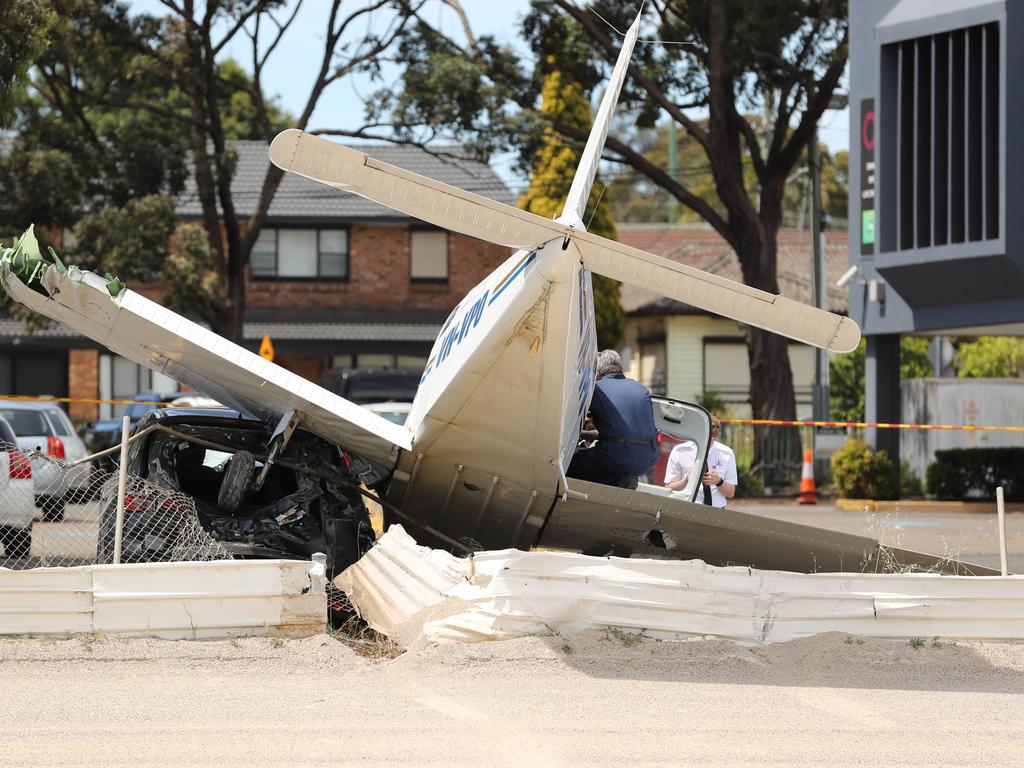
(480, 217)
(151, 335)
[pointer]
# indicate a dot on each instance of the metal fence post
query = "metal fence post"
(122, 482)
(1001, 512)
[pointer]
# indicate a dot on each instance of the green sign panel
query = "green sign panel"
(867, 227)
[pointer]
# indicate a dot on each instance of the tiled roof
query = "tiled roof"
(301, 198)
(375, 327)
(343, 331)
(702, 247)
(11, 328)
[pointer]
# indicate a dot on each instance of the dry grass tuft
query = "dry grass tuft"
(365, 641)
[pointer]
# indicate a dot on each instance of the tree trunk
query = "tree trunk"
(236, 290)
(776, 448)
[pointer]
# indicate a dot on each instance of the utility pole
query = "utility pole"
(820, 284)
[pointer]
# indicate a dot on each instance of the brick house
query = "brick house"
(681, 351)
(334, 280)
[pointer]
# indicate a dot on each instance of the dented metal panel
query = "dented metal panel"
(616, 520)
(173, 600)
(421, 595)
(151, 335)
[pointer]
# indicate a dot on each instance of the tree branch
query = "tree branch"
(817, 103)
(753, 145)
(256, 8)
(659, 176)
(724, 143)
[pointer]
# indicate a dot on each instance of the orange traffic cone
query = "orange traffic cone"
(808, 493)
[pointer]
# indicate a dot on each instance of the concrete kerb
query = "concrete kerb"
(919, 505)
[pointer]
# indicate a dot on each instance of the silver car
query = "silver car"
(17, 509)
(43, 427)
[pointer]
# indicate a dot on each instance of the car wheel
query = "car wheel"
(53, 508)
(237, 481)
(352, 538)
(17, 542)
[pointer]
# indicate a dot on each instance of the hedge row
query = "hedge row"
(962, 473)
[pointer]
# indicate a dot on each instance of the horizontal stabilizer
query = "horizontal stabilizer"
(719, 295)
(432, 201)
(459, 211)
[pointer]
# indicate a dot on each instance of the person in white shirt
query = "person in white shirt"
(719, 482)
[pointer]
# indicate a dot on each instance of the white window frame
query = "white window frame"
(275, 274)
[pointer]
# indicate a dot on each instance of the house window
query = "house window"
(300, 254)
(429, 256)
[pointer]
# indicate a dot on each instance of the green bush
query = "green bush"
(861, 473)
(963, 473)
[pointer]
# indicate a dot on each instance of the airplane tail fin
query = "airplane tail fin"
(583, 181)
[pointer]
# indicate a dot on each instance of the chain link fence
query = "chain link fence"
(74, 522)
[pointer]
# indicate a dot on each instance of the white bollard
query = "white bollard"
(1001, 512)
(122, 483)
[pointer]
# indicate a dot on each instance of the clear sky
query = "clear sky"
(295, 62)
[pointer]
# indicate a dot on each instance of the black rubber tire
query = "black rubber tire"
(237, 482)
(53, 508)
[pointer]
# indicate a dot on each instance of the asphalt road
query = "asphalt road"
(968, 532)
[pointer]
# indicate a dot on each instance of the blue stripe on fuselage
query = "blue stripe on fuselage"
(508, 280)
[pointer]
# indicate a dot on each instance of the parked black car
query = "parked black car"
(107, 433)
(295, 513)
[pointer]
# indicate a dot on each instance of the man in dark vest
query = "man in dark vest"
(627, 440)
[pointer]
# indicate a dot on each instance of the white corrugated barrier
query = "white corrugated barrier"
(511, 593)
(173, 600)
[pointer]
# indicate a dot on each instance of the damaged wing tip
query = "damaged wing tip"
(282, 148)
(847, 336)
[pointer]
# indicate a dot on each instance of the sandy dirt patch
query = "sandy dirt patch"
(605, 699)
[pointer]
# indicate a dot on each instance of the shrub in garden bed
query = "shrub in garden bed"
(862, 473)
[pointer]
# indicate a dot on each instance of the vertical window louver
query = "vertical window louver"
(939, 166)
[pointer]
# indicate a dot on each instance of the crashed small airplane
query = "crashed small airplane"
(481, 461)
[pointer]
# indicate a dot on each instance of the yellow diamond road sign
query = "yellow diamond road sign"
(267, 349)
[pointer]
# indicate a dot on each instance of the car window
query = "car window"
(60, 423)
(215, 459)
(7, 438)
(26, 423)
(382, 387)
(396, 417)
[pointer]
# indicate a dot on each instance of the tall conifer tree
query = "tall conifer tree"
(554, 166)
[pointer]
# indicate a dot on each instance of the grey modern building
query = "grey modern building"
(936, 221)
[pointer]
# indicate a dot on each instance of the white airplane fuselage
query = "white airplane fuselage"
(499, 408)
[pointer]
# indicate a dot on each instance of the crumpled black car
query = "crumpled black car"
(307, 502)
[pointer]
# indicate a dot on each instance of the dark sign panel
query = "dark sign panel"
(867, 177)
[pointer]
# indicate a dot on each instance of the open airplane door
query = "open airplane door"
(151, 335)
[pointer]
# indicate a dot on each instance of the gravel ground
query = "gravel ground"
(609, 699)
